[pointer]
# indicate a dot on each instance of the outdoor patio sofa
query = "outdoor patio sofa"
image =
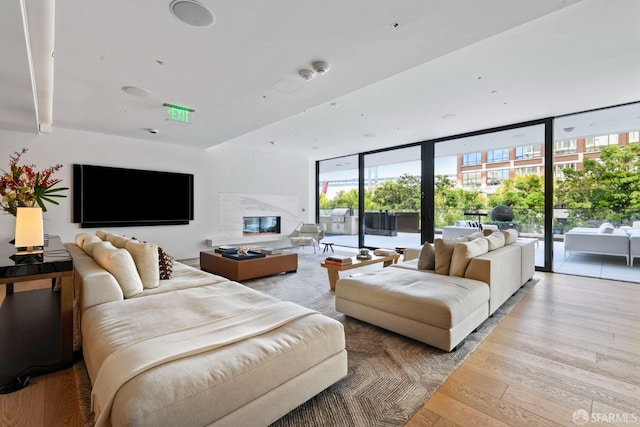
(604, 240)
(195, 349)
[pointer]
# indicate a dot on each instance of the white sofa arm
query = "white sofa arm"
(411, 253)
(94, 285)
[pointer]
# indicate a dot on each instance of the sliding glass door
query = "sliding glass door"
(493, 180)
(338, 198)
(392, 198)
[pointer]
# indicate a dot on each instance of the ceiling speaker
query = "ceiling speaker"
(192, 12)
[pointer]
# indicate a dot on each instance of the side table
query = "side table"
(36, 327)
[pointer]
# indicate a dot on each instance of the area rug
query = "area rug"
(389, 376)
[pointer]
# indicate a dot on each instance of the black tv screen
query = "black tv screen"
(116, 197)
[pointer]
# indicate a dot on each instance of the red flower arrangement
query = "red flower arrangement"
(23, 187)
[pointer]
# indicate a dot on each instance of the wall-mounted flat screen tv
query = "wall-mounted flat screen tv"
(116, 197)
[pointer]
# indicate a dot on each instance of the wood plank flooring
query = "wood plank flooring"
(572, 343)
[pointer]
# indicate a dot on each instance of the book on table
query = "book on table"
(226, 249)
(338, 260)
(266, 251)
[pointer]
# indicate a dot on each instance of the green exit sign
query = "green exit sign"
(178, 113)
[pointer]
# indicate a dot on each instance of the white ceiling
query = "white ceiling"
(489, 63)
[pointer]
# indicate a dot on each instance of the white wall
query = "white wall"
(218, 170)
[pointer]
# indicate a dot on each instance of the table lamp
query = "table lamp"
(29, 230)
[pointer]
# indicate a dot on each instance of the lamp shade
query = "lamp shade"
(29, 228)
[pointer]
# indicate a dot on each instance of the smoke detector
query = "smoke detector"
(306, 74)
(320, 67)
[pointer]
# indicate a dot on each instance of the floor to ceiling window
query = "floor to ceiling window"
(577, 174)
(494, 179)
(338, 199)
(597, 193)
(392, 196)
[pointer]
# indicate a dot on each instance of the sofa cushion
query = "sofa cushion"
(496, 240)
(510, 236)
(120, 264)
(426, 297)
(427, 258)
(89, 243)
(443, 251)
(145, 257)
(464, 252)
(101, 234)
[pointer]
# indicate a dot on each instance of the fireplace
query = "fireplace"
(252, 225)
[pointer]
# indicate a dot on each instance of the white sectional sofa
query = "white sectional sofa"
(195, 349)
(441, 292)
(604, 240)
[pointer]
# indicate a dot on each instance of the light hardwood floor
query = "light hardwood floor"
(572, 343)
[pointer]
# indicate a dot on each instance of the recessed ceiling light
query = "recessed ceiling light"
(568, 129)
(449, 116)
(315, 147)
(137, 91)
(369, 135)
(192, 13)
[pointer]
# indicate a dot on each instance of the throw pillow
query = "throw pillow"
(606, 227)
(475, 235)
(165, 264)
(443, 251)
(79, 240)
(101, 234)
(120, 241)
(427, 258)
(89, 243)
(145, 256)
(120, 264)
(510, 236)
(464, 252)
(496, 240)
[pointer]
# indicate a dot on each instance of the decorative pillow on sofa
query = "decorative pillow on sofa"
(101, 234)
(145, 257)
(475, 235)
(510, 236)
(464, 252)
(427, 258)
(496, 240)
(89, 243)
(120, 264)
(165, 262)
(443, 251)
(606, 227)
(79, 240)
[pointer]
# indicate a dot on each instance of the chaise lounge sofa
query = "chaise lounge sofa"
(195, 349)
(441, 292)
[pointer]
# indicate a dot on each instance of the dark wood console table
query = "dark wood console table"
(36, 326)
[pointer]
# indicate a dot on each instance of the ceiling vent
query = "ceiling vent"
(192, 12)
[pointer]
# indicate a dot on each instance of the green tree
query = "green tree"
(451, 202)
(400, 195)
(607, 188)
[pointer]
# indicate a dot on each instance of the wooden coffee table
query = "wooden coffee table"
(333, 270)
(246, 269)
